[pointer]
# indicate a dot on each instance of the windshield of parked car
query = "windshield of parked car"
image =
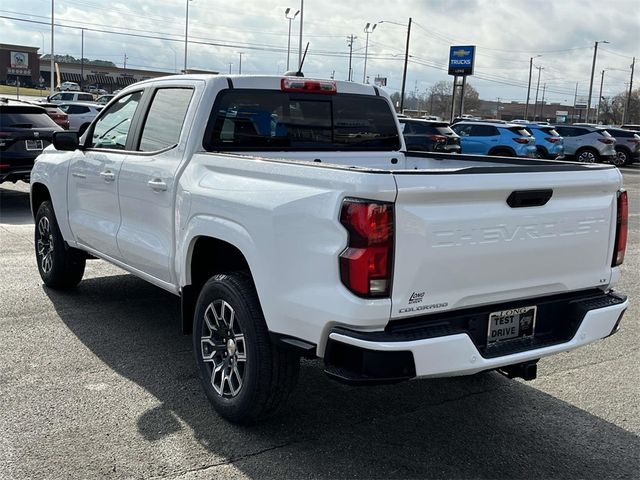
(275, 120)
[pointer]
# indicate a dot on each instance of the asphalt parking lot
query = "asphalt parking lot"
(98, 383)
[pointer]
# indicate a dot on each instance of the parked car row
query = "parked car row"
(580, 142)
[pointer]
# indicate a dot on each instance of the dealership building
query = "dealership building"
(24, 64)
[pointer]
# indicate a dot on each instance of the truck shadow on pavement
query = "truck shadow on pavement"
(476, 427)
(14, 207)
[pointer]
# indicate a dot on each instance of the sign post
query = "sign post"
(461, 63)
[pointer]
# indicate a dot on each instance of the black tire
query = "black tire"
(83, 128)
(265, 378)
(541, 153)
(587, 155)
(60, 266)
(622, 157)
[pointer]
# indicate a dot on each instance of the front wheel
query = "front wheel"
(60, 266)
(243, 374)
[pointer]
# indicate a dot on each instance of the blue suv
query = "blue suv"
(495, 138)
(549, 143)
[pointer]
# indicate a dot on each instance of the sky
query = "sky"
(507, 33)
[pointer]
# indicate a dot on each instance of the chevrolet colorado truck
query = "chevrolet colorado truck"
(290, 219)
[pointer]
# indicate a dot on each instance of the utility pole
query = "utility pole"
(82, 59)
(498, 109)
(593, 71)
(230, 65)
(125, 61)
(186, 37)
(350, 40)
(544, 88)
(406, 61)
(575, 99)
(535, 106)
(300, 41)
(240, 64)
(600, 97)
(53, 85)
(526, 108)
(626, 110)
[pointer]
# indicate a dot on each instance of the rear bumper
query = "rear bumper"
(387, 357)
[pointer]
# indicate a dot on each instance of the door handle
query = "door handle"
(108, 176)
(157, 184)
(78, 175)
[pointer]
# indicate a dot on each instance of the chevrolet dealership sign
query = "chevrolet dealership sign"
(461, 60)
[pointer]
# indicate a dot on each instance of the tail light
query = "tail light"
(634, 140)
(522, 140)
(367, 262)
(607, 141)
(294, 84)
(622, 228)
(5, 138)
(553, 139)
(439, 138)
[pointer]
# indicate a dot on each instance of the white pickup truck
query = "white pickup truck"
(287, 215)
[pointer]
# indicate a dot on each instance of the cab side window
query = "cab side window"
(112, 129)
(165, 118)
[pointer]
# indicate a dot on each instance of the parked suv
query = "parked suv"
(70, 86)
(70, 97)
(25, 130)
(549, 143)
(80, 114)
(627, 146)
(429, 136)
(587, 144)
(495, 138)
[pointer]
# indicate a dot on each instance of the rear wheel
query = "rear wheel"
(244, 375)
(621, 158)
(587, 156)
(502, 152)
(60, 266)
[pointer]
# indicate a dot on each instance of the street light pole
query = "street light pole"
(367, 30)
(186, 36)
(82, 59)
(290, 18)
(240, 64)
(593, 71)
(535, 106)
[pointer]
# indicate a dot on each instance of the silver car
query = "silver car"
(587, 144)
(80, 114)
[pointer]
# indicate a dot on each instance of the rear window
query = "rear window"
(550, 131)
(85, 97)
(274, 120)
(520, 131)
(20, 117)
(621, 133)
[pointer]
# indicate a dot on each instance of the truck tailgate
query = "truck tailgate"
(460, 244)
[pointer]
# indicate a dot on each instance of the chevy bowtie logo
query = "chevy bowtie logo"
(461, 53)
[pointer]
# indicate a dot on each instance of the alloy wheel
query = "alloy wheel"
(620, 158)
(223, 348)
(587, 157)
(45, 244)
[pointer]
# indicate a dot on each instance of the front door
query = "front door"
(94, 212)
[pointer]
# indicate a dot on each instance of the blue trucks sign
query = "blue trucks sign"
(461, 60)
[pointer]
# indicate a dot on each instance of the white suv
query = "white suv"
(71, 86)
(587, 144)
(61, 97)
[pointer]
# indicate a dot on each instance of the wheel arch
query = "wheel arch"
(39, 193)
(495, 150)
(207, 256)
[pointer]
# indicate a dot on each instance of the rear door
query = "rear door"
(94, 211)
(459, 243)
(147, 183)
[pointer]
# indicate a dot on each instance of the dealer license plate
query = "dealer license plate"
(34, 144)
(512, 323)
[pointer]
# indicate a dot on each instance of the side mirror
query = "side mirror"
(66, 141)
